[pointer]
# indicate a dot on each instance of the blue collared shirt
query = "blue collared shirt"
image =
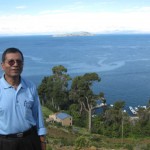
(20, 108)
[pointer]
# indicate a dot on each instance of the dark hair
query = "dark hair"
(11, 50)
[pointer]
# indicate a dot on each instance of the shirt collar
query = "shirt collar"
(7, 85)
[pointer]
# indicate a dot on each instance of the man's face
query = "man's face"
(13, 65)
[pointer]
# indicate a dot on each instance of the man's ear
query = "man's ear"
(2, 65)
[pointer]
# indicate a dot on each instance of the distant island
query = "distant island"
(73, 34)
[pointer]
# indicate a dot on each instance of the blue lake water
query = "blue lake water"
(122, 61)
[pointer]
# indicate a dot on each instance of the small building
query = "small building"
(64, 118)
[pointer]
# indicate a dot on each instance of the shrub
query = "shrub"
(81, 142)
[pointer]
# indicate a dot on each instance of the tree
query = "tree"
(78, 119)
(42, 90)
(101, 96)
(56, 88)
(82, 93)
(143, 124)
(113, 119)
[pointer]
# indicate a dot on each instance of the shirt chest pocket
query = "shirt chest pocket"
(1, 111)
(28, 110)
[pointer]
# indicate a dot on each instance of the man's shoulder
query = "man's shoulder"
(28, 82)
(0, 81)
(3, 83)
(1, 78)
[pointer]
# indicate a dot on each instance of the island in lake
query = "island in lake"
(73, 34)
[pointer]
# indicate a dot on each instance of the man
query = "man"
(21, 120)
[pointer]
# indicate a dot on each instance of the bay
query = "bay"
(122, 61)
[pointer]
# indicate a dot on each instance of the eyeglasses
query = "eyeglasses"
(11, 62)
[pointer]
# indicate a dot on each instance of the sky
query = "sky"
(24, 17)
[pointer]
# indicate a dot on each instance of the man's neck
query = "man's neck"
(14, 81)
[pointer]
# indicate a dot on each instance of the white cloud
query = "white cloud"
(144, 9)
(138, 9)
(21, 7)
(69, 22)
(46, 12)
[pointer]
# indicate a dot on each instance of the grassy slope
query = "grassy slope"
(64, 139)
(60, 138)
